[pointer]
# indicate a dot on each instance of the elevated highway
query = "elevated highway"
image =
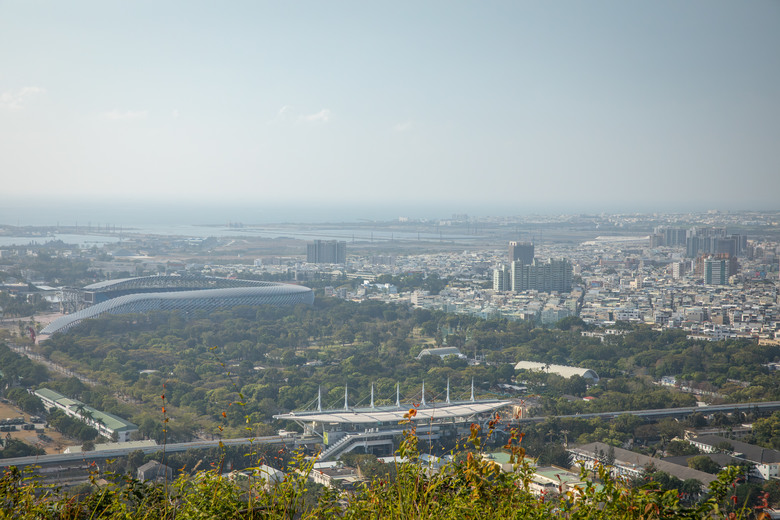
(74, 459)
(664, 413)
(68, 459)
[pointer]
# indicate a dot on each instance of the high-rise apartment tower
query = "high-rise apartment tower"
(521, 252)
(326, 252)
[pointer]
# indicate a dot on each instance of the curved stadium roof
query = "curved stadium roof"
(102, 291)
(167, 282)
(134, 295)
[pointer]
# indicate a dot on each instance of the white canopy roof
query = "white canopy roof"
(396, 415)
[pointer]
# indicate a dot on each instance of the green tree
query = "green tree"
(704, 463)
(677, 448)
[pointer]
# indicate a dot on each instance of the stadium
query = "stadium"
(375, 429)
(182, 293)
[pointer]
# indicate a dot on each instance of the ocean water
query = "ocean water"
(299, 232)
(107, 223)
(142, 214)
(68, 238)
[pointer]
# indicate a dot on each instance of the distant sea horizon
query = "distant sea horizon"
(143, 214)
(33, 212)
(99, 225)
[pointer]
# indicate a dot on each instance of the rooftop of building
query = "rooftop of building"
(638, 462)
(741, 449)
(110, 421)
(394, 415)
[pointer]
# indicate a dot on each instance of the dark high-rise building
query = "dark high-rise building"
(726, 246)
(692, 246)
(713, 241)
(741, 242)
(326, 252)
(521, 252)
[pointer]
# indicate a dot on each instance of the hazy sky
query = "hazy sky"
(506, 106)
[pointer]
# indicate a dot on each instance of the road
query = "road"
(68, 459)
(25, 351)
(72, 458)
(662, 413)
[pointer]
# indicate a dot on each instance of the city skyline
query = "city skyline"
(382, 111)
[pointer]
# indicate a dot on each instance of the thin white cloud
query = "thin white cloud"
(283, 114)
(16, 99)
(125, 115)
(319, 117)
(402, 127)
(290, 114)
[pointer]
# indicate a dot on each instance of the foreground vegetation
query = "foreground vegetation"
(469, 487)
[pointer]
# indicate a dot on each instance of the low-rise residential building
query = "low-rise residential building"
(154, 471)
(766, 462)
(108, 425)
(629, 464)
(331, 474)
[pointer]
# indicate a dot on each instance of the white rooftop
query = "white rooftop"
(396, 415)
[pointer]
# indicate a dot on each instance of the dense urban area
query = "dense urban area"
(625, 351)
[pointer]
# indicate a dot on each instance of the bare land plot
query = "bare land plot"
(53, 442)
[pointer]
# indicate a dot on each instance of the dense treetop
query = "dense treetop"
(274, 359)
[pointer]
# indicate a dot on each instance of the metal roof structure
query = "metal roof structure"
(633, 464)
(394, 415)
(171, 282)
(165, 293)
(106, 423)
(442, 352)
